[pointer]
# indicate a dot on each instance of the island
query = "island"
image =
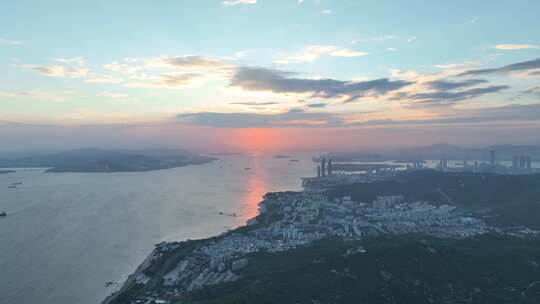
(7, 171)
(417, 237)
(104, 161)
(282, 156)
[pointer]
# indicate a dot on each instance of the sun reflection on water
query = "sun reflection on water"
(257, 186)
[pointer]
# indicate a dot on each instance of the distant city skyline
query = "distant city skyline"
(245, 75)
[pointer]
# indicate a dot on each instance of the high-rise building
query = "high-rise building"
(522, 162)
(443, 163)
(323, 167)
(329, 166)
(492, 158)
(528, 162)
(318, 170)
(515, 162)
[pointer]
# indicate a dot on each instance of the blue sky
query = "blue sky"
(280, 63)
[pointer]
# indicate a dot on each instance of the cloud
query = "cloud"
(263, 103)
(167, 81)
(51, 70)
(314, 52)
(123, 68)
(9, 42)
(59, 71)
(445, 85)
(317, 105)
(63, 67)
(39, 95)
(193, 62)
(516, 67)
(236, 2)
(263, 79)
(104, 79)
(510, 47)
(187, 63)
(451, 97)
(292, 118)
(496, 115)
(509, 114)
(167, 71)
(113, 95)
(533, 91)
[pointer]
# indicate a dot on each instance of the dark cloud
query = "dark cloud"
(520, 114)
(451, 97)
(505, 114)
(516, 67)
(292, 118)
(445, 85)
(317, 105)
(262, 79)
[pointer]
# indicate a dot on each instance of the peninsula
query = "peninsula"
(103, 161)
(414, 237)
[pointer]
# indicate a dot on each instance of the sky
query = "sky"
(268, 75)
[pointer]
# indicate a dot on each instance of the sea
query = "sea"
(67, 234)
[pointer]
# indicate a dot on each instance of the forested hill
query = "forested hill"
(98, 160)
(501, 200)
(488, 269)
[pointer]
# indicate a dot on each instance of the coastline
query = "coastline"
(157, 253)
(126, 170)
(290, 220)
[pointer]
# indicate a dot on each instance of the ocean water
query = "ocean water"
(66, 234)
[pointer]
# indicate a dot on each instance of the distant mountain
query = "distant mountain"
(506, 152)
(98, 160)
(436, 151)
(355, 156)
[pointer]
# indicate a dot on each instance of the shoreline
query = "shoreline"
(132, 279)
(290, 220)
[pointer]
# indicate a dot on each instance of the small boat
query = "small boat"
(16, 184)
(3, 213)
(12, 186)
(247, 168)
(110, 283)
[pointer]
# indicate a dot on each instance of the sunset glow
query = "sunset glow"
(267, 75)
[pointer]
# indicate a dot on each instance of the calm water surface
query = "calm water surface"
(68, 233)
